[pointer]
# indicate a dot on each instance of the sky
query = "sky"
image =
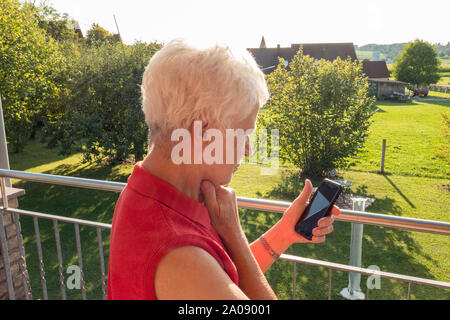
(242, 23)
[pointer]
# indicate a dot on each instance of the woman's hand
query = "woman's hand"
(223, 212)
(295, 211)
(222, 206)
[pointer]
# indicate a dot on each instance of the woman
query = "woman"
(176, 232)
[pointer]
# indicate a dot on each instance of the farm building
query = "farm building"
(267, 58)
(378, 75)
(77, 30)
(376, 71)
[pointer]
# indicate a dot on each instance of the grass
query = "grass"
(413, 132)
(412, 186)
(445, 78)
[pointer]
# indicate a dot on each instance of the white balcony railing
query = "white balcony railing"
(383, 220)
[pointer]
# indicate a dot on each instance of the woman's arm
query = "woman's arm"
(191, 273)
(251, 278)
(282, 235)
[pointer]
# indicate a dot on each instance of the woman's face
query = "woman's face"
(236, 145)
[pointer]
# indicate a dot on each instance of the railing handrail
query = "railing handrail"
(286, 257)
(64, 180)
(384, 220)
(47, 216)
(365, 271)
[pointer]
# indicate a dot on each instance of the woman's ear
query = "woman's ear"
(205, 128)
(196, 124)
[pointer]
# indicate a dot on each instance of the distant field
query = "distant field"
(445, 78)
(445, 61)
(361, 55)
(445, 75)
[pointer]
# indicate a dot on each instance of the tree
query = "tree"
(104, 103)
(56, 25)
(418, 64)
(98, 36)
(30, 63)
(322, 111)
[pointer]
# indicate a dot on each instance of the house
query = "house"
(384, 88)
(376, 71)
(77, 29)
(267, 58)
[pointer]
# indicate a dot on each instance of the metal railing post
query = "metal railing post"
(4, 242)
(102, 262)
(294, 280)
(80, 260)
(4, 160)
(353, 290)
(60, 262)
(23, 264)
(41, 258)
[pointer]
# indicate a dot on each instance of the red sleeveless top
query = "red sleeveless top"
(151, 218)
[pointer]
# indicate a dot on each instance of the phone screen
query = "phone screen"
(319, 207)
(322, 201)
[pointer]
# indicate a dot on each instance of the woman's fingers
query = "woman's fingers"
(324, 227)
(322, 231)
(209, 192)
(335, 211)
(325, 221)
(318, 239)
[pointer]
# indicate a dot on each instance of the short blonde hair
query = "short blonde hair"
(182, 84)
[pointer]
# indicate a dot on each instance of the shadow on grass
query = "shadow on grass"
(442, 103)
(399, 191)
(413, 102)
(392, 250)
(390, 103)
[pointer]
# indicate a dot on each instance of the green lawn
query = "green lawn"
(413, 132)
(412, 186)
(445, 78)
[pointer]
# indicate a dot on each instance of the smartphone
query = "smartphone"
(319, 206)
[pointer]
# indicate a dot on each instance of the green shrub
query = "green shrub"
(322, 111)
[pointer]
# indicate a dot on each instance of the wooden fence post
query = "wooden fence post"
(383, 153)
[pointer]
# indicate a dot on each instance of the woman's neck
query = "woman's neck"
(182, 177)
